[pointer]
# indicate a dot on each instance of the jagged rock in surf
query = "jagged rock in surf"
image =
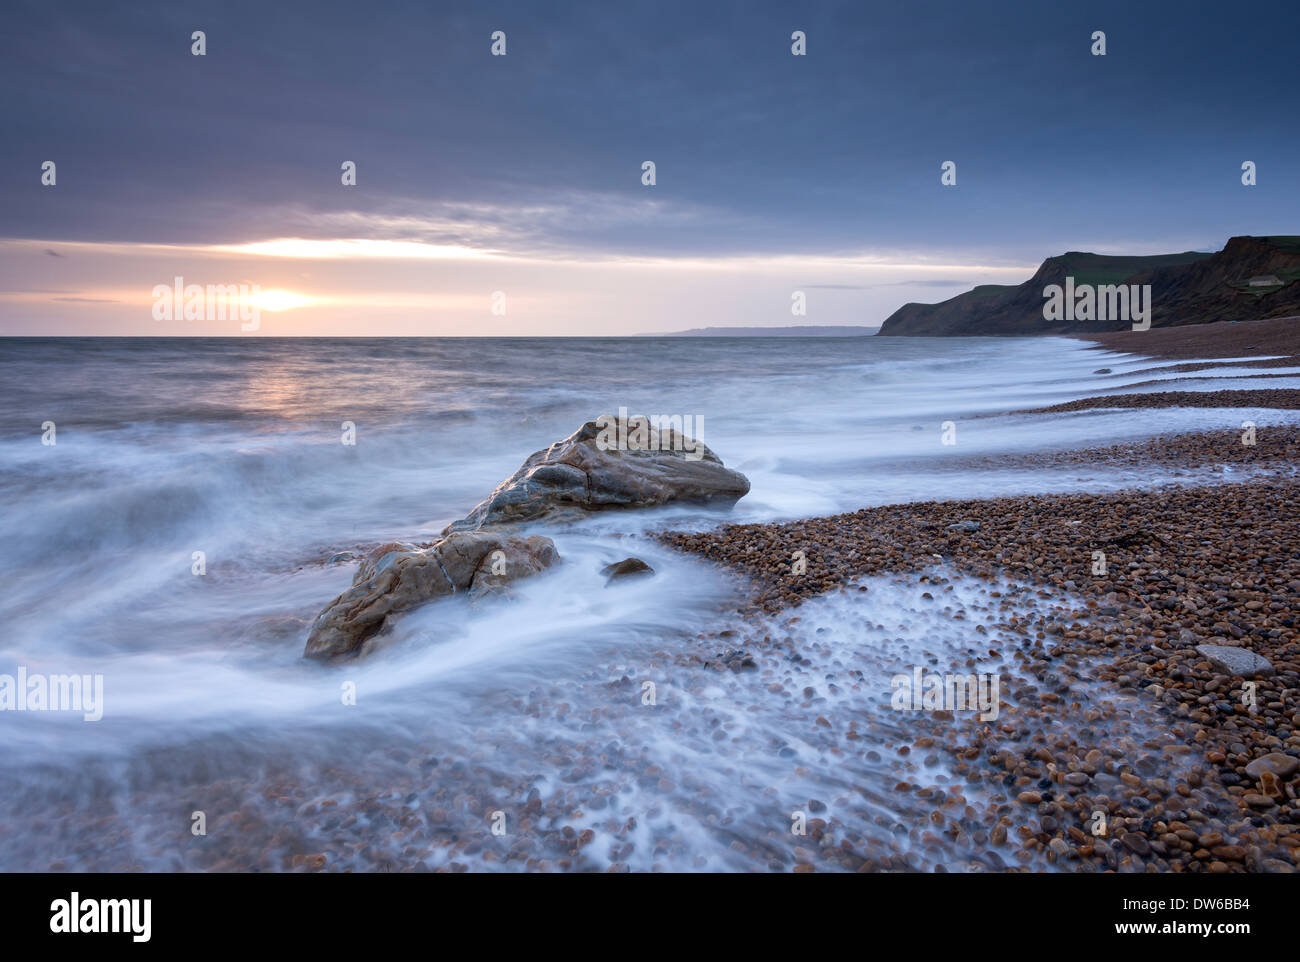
(397, 577)
(609, 463)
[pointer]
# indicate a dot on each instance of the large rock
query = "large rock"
(584, 472)
(398, 577)
(1236, 661)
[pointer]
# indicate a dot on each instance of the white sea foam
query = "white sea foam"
(233, 449)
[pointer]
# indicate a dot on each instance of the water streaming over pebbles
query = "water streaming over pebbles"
(531, 708)
(588, 776)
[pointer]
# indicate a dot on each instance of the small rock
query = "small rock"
(1136, 843)
(627, 568)
(1274, 763)
(1236, 661)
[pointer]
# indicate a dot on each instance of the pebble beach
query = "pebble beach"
(1213, 564)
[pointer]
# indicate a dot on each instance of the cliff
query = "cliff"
(1188, 288)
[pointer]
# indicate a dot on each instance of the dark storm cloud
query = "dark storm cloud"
(757, 150)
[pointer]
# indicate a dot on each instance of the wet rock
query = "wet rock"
(1136, 843)
(1274, 763)
(737, 659)
(1236, 661)
(627, 568)
(590, 471)
(397, 577)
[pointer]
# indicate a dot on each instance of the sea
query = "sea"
(176, 512)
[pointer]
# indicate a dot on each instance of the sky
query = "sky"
(504, 195)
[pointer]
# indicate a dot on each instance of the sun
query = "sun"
(279, 300)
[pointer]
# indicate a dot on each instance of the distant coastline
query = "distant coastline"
(810, 330)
